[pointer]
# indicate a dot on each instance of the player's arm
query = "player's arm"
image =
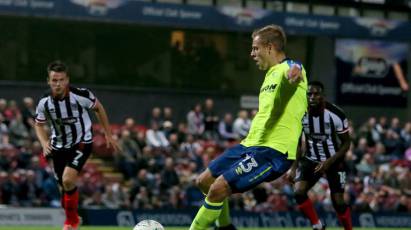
(285, 93)
(43, 138)
(300, 151)
(345, 145)
(399, 74)
(40, 128)
(103, 120)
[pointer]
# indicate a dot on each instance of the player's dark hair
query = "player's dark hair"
(317, 84)
(272, 34)
(57, 66)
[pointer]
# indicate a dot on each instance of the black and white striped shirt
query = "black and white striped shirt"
(321, 132)
(69, 117)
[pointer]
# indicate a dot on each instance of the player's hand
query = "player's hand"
(110, 142)
(294, 74)
(323, 166)
(404, 86)
(47, 150)
(291, 175)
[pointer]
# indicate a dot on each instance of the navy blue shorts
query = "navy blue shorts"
(246, 167)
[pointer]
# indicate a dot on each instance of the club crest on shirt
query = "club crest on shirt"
(74, 106)
(327, 125)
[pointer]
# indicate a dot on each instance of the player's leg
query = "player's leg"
(305, 179)
(60, 159)
(211, 210)
(336, 179)
(76, 161)
(224, 220)
(305, 205)
(57, 160)
(342, 209)
(257, 165)
(204, 181)
(71, 196)
(213, 205)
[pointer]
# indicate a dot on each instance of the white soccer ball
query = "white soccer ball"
(148, 225)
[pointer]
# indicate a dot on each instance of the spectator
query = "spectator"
(194, 197)
(192, 149)
(18, 132)
(155, 117)
(141, 139)
(4, 111)
(195, 121)
(130, 125)
(4, 133)
(363, 202)
(405, 181)
(382, 125)
(51, 191)
(226, 128)
(156, 137)
(28, 112)
(174, 146)
(367, 165)
(241, 125)
(182, 132)
(210, 120)
(380, 154)
(370, 132)
(169, 177)
(126, 158)
(393, 145)
(402, 205)
(361, 149)
(395, 125)
(406, 135)
(139, 187)
(168, 120)
(8, 188)
(143, 199)
(168, 128)
(95, 201)
(113, 196)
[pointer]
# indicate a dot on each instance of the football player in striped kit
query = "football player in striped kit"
(326, 138)
(69, 145)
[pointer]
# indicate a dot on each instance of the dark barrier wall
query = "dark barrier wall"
(130, 55)
(177, 217)
(242, 219)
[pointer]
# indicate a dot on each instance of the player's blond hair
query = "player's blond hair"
(272, 34)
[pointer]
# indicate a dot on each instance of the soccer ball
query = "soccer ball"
(148, 225)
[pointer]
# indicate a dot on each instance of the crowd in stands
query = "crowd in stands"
(161, 158)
